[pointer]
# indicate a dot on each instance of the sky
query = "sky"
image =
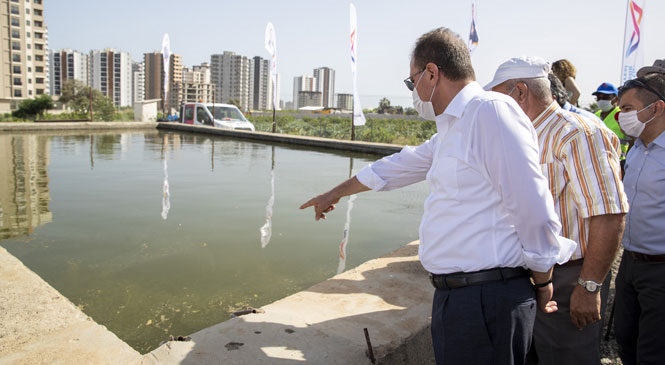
(315, 33)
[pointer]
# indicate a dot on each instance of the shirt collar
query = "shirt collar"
(458, 104)
(545, 114)
(660, 140)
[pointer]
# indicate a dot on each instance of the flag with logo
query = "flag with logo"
(633, 41)
(473, 33)
(271, 47)
(358, 116)
(166, 56)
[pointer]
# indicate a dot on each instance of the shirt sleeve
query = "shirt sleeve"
(507, 146)
(586, 158)
(406, 167)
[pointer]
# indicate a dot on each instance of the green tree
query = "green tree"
(384, 107)
(31, 108)
(76, 96)
(410, 111)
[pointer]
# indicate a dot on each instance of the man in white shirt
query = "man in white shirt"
(489, 215)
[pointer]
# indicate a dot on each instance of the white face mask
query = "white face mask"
(605, 105)
(630, 123)
(425, 108)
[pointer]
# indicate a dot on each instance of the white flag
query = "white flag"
(166, 55)
(358, 116)
(633, 57)
(271, 47)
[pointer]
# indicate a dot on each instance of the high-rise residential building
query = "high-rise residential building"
(200, 73)
(302, 83)
(262, 88)
(111, 73)
(23, 52)
(154, 80)
(66, 65)
(231, 75)
(325, 83)
(345, 101)
(138, 81)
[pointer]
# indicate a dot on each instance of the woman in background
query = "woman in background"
(566, 72)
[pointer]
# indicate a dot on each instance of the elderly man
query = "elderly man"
(489, 215)
(640, 283)
(580, 158)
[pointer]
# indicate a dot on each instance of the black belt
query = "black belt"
(462, 279)
(648, 258)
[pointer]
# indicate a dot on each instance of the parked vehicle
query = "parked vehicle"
(217, 115)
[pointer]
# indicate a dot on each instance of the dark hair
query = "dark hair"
(649, 88)
(447, 50)
(558, 90)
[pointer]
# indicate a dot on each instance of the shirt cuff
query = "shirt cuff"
(370, 179)
(539, 263)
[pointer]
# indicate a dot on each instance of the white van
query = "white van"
(225, 116)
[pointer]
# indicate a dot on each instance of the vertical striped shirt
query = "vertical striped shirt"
(580, 158)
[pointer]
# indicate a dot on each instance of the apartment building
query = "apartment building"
(154, 79)
(23, 52)
(325, 83)
(67, 65)
(302, 84)
(231, 75)
(111, 73)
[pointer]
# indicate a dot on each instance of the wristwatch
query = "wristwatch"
(589, 285)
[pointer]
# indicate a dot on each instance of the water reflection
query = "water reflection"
(145, 277)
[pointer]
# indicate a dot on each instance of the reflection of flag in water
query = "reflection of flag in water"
(266, 229)
(473, 33)
(166, 194)
(345, 237)
(632, 52)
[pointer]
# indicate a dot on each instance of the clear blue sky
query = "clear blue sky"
(312, 34)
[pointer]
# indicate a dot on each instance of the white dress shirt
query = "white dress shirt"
(489, 204)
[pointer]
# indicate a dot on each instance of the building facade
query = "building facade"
(302, 83)
(23, 52)
(231, 75)
(345, 102)
(154, 80)
(325, 83)
(67, 65)
(138, 81)
(111, 73)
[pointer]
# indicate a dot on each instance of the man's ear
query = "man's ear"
(432, 70)
(521, 88)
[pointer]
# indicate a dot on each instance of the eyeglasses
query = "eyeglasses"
(409, 80)
(630, 84)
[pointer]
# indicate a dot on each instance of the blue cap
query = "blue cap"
(606, 88)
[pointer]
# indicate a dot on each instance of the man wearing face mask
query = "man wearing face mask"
(580, 158)
(606, 98)
(489, 231)
(640, 284)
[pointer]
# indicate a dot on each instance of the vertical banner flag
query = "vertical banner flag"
(473, 33)
(166, 55)
(632, 57)
(271, 47)
(358, 116)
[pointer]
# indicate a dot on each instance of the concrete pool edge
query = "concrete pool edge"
(390, 296)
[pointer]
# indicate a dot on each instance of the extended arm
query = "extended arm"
(325, 202)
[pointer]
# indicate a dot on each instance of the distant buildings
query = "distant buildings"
(28, 69)
(23, 52)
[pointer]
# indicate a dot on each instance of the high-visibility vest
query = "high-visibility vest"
(612, 122)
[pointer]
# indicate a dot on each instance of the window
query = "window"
(39, 80)
(17, 70)
(16, 46)
(27, 11)
(38, 2)
(27, 34)
(27, 23)
(18, 93)
(39, 35)
(37, 46)
(39, 24)
(16, 34)
(17, 81)
(39, 58)
(14, 10)
(39, 69)
(37, 12)
(39, 91)
(16, 57)
(15, 22)
(29, 58)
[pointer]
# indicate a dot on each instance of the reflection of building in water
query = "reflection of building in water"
(24, 193)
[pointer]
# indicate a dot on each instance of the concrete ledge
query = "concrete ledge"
(40, 326)
(89, 126)
(390, 296)
(356, 146)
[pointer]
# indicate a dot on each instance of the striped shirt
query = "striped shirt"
(580, 158)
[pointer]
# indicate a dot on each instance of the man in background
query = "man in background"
(640, 284)
(580, 158)
(607, 98)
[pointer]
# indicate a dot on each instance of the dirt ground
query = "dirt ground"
(608, 348)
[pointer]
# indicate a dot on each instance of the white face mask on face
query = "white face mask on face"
(605, 105)
(630, 123)
(425, 108)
